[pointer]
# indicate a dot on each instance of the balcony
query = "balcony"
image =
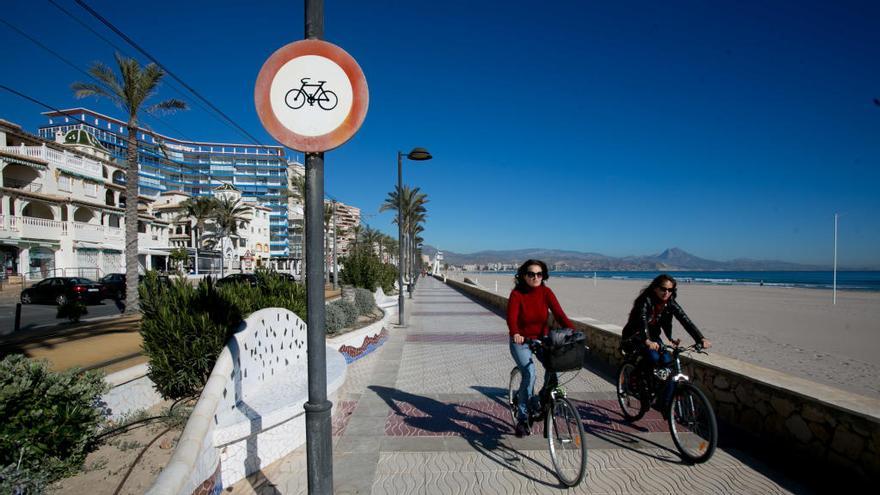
(60, 159)
(88, 232)
(30, 186)
(38, 228)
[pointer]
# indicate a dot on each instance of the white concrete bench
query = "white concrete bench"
(260, 417)
(387, 303)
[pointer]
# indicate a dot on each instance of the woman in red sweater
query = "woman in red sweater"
(529, 305)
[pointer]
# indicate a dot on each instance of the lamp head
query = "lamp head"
(419, 154)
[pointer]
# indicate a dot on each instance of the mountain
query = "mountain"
(671, 259)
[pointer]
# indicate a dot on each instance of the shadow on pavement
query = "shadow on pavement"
(416, 414)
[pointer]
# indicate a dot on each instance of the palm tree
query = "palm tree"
(356, 232)
(129, 92)
(411, 202)
(228, 214)
(200, 210)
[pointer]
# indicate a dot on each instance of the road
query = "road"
(34, 315)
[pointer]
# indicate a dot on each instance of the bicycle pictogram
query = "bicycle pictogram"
(296, 98)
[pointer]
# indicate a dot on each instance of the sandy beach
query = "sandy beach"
(797, 331)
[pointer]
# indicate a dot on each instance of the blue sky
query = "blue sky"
(726, 130)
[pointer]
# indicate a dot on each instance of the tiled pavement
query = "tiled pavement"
(424, 414)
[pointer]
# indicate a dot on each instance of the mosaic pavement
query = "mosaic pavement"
(425, 414)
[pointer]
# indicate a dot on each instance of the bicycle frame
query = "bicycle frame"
(317, 94)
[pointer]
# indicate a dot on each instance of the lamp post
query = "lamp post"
(417, 154)
(335, 263)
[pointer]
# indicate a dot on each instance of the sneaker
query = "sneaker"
(522, 429)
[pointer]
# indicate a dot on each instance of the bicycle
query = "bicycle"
(563, 427)
(691, 419)
(325, 98)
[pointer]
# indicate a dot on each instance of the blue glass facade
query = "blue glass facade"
(169, 164)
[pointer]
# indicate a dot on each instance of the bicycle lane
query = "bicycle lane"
(427, 414)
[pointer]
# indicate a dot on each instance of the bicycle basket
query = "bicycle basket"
(565, 350)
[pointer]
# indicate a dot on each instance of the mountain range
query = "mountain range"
(671, 259)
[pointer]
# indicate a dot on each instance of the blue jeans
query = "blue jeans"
(661, 360)
(523, 358)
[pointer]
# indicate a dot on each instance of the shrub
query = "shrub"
(49, 421)
(72, 310)
(364, 301)
(184, 328)
(349, 312)
(365, 270)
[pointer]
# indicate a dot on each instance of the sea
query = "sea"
(848, 280)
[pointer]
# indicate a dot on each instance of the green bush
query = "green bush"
(364, 301)
(49, 421)
(184, 328)
(333, 318)
(365, 270)
(72, 310)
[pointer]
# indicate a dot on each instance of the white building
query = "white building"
(62, 209)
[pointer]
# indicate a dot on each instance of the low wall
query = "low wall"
(131, 391)
(821, 422)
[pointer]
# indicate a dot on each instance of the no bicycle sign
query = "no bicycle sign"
(311, 96)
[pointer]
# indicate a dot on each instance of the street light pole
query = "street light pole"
(400, 318)
(417, 154)
(335, 263)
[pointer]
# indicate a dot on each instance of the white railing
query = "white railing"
(41, 228)
(22, 184)
(3, 222)
(64, 160)
(88, 232)
(114, 233)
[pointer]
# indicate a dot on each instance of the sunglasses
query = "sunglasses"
(535, 274)
(666, 289)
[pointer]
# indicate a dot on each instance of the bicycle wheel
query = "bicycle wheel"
(328, 101)
(295, 99)
(512, 391)
(568, 447)
(629, 396)
(692, 423)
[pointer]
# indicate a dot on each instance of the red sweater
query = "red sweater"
(527, 312)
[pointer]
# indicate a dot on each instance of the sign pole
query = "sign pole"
(319, 449)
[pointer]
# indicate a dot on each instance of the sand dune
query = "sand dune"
(797, 331)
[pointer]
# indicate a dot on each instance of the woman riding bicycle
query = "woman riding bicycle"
(529, 305)
(652, 312)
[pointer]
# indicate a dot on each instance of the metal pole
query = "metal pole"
(834, 284)
(319, 449)
(335, 263)
(400, 320)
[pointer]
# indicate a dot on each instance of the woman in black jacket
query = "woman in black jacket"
(652, 312)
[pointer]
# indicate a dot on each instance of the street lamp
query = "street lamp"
(417, 154)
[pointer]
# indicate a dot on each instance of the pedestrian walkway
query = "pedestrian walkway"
(427, 414)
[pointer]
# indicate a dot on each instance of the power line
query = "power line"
(120, 50)
(75, 67)
(170, 73)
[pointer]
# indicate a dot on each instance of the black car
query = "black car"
(59, 290)
(114, 284)
(239, 278)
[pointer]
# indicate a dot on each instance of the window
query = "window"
(63, 183)
(91, 189)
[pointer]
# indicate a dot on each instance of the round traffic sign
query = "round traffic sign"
(311, 96)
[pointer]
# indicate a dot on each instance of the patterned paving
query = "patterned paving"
(426, 414)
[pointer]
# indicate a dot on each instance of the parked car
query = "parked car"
(114, 284)
(239, 278)
(59, 290)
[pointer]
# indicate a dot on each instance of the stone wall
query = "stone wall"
(823, 423)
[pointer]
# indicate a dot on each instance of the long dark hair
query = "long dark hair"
(520, 277)
(659, 279)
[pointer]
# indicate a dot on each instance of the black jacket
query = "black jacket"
(638, 329)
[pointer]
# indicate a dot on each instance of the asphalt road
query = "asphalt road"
(34, 315)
